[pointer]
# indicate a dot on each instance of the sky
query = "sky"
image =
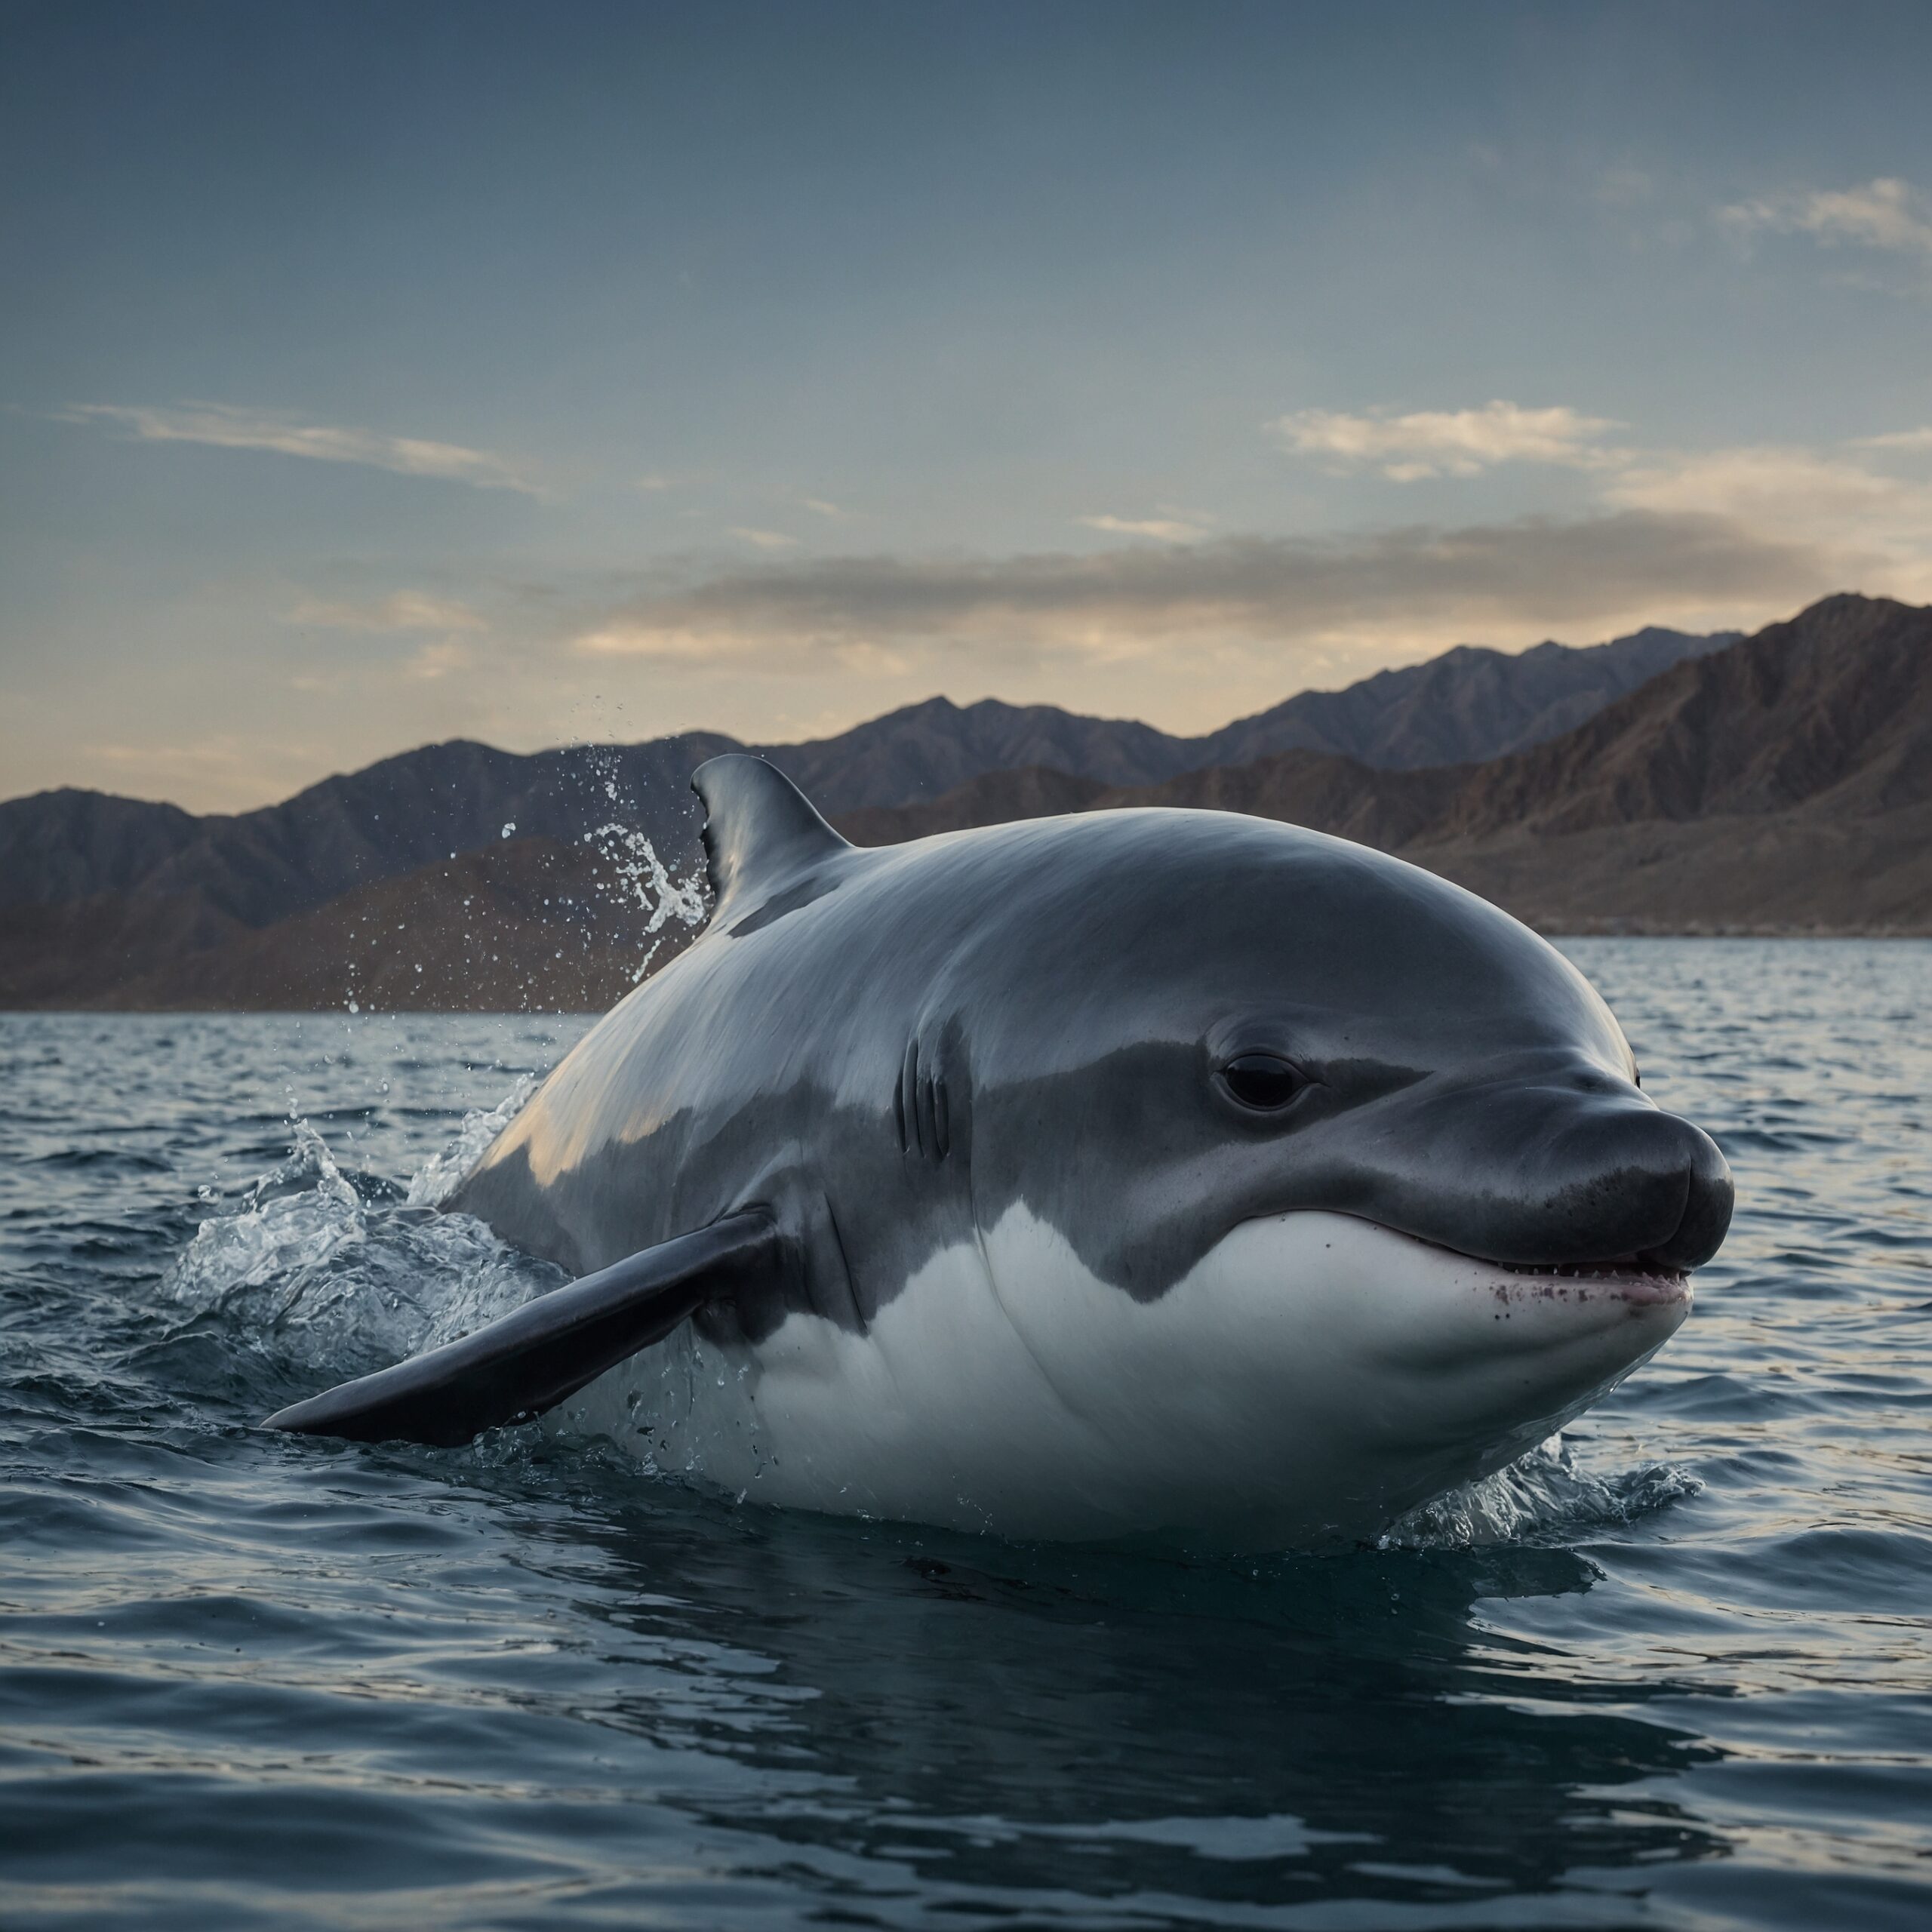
(371, 375)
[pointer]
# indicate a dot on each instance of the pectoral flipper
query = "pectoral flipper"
(543, 1353)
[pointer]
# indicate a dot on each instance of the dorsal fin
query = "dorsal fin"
(760, 830)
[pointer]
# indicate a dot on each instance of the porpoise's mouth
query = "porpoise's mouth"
(1639, 1279)
(1634, 1284)
(1632, 1278)
(1623, 1268)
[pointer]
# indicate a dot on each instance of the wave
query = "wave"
(1544, 1496)
(315, 1274)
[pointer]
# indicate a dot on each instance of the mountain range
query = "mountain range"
(1782, 784)
(1661, 782)
(256, 867)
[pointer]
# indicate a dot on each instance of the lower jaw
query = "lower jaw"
(1057, 1407)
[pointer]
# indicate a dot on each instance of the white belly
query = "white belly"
(1313, 1377)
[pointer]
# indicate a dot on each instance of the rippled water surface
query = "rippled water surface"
(1675, 1671)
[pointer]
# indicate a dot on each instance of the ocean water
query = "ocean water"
(1675, 1670)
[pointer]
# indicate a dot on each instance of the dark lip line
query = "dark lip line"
(1624, 1266)
(1619, 1267)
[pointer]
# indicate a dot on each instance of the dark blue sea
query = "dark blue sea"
(1673, 1670)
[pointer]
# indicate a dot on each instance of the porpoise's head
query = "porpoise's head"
(1364, 1165)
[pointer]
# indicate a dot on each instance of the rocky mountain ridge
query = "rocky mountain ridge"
(1831, 711)
(1782, 785)
(358, 828)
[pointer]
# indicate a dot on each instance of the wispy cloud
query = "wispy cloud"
(1442, 442)
(1895, 439)
(404, 611)
(1166, 530)
(220, 426)
(438, 659)
(1887, 213)
(1626, 187)
(240, 769)
(1795, 495)
(1721, 536)
(763, 540)
(1250, 593)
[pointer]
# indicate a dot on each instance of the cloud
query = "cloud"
(1396, 589)
(820, 506)
(1715, 537)
(1792, 495)
(239, 769)
(1167, 530)
(1895, 439)
(1626, 186)
(220, 426)
(437, 660)
(405, 610)
(764, 539)
(1438, 442)
(1887, 213)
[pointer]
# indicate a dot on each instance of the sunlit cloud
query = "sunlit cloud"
(1253, 594)
(219, 426)
(1887, 213)
(242, 767)
(1166, 530)
(1895, 439)
(438, 659)
(405, 610)
(764, 539)
(1789, 495)
(1445, 442)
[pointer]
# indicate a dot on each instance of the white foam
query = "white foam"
(436, 1179)
(307, 1272)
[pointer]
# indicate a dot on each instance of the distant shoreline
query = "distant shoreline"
(1837, 936)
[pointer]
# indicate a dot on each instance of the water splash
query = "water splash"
(642, 880)
(1545, 1495)
(293, 1219)
(310, 1274)
(436, 1179)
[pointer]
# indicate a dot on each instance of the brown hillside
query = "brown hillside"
(1034, 791)
(1833, 709)
(1778, 785)
(527, 924)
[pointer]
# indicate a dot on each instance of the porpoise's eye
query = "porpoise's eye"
(1261, 1082)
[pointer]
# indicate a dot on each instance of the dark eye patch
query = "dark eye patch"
(1262, 1081)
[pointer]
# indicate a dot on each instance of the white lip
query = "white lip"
(1505, 1329)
